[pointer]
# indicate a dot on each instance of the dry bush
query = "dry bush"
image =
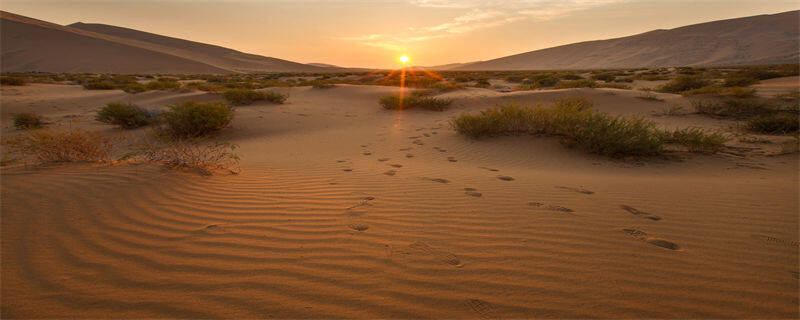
(59, 145)
(191, 154)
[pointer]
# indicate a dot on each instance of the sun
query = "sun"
(404, 59)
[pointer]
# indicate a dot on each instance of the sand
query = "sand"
(346, 210)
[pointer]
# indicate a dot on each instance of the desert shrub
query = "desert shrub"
(243, 96)
(542, 80)
(607, 77)
(194, 119)
(482, 83)
(739, 81)
(696, 139)
(134, 88)
(570, 76)
(734, 108)
(49, 145)
(585, 83)
(98, 85)
(628, 80)
(515, 78)
(615, 85)
(28, 120)
(162, 84)
(684, 83)
(738, 92)
(395, 102)
(275, 97)
(12, 81)
(322, 85)
(778, 123)
(579, 126)
(124, 115)
(704, 90)
(189, 154)
(649, 96)
(673, 110)
(756, 73)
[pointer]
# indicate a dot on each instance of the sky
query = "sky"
(374, 34)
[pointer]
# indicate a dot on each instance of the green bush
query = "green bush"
(243, 96)
(414, 101)
(13, 81)
(684, 83)
(275, 97)
(28, 120)
(579, 126)
(778, 123)
(124, 115)
(194, 119)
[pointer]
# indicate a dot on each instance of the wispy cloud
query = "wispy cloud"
(477, 15)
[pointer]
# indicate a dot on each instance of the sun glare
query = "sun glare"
(404, 59)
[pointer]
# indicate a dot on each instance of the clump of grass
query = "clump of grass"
(125, 115)
(395, 102)
(673, 110)
(737, 108)
(581, 127)
(696, 139)
(777, 123)
(243, 96)
(28, 120)
(275, 97)
(98, 85)
(739, 81)
(684, 83)
(50, 145)
(194, 119)
(13, 81)
(584, 83)
(162, 84)
(134, 88)
(191, 154)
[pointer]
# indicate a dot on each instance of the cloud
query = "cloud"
(477, 15)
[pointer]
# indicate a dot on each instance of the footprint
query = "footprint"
(484, 309)
(418, 142)
(505, 178)
(414, 137)
(551, 207)
(490, 169)
(439, 149)
(390, 172)
(213, 229)
(347, 170)
(408, 155)
(641, 235)
(367, 153)
(441, 255)
(396, 165)
(636, 212)
(579, 190)
(358, 227)
(425, 134)
(363, 202)
(383, 159)
(405, 149)
(777, 241)
(440, 180)
(452, 159)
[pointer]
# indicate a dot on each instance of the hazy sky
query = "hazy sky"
(362, 33)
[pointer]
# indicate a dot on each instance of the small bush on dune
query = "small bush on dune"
(779, 123)
(579, 126)
(739, 81)
(684, 83)
(162, 84)
(322, 85)
(696, 139)
(134, 88)
(482, 83)
(189, 154)
(98, 85)
(28, 120)
(734, 108)
(414, 101)
(607, 77)
(45, 146)
(243, 96)
(194, 119)
(125, 115)
(275, 97)
(13, 81)
(570, 76)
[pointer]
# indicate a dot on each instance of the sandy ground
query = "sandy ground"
(346, 210)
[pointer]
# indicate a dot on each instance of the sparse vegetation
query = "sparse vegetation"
(124, 115)
(13, 81)
(673, 110)
(275, 97)
(194, 119)
(584, 83)
(192, 154)
(59, 145)
(581, 127)
(777, 123)
(650, 96)
(242, 96)
(28, 120)
(684, 83)
(98, 85)
(738, 108)
(696, 139)
(413, 101)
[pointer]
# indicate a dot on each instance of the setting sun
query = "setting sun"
(404, 59)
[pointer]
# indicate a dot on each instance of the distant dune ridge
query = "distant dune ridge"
(762, 39)
(34, 45)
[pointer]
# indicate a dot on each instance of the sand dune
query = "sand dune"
(34, 45)
(763, 39)
(314, 227)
